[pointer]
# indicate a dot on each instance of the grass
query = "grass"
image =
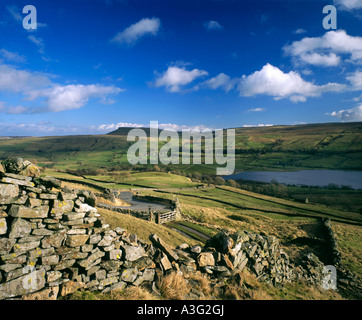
(349, 242)
(329, 146)
(175, 286)
(144, 228)
(150, 180)
(136, 180)
(193, 230)
(207, 215)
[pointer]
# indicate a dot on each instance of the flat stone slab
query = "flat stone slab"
(19, 211)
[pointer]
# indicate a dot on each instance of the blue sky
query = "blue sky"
(91, 66)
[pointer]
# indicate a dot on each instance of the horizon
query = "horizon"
(91, 67)
(186, 130)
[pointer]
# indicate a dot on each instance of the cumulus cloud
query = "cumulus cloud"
(15, 80)
(354, 114)
(61, 98)
(138, 30)
(213, 25)
(223, 81)
(174, 78)
(54, 97)
(348, 4)
(104, 128)
(326, 50)
(355, 79)
(272, 81)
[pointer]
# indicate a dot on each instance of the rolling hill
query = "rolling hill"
(328, 146)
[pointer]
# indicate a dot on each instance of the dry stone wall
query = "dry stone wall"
(54, 242)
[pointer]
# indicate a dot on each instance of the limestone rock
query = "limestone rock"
(30, 169)
(168, 250)
(19, 211)
(129, 275)
(45, 294)
(25, 284)
(60, 206)
(13, 165)
(205, 259)
(133, 253)
(76, 240)
(8, 192)
(70, 287)
(20, 228)
(49, 182)
(55, 240)
(17, 182)
(3, 226)
(6, 245)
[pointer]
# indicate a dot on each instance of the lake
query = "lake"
(319, 178)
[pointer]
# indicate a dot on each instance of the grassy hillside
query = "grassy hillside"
(207, 211)
(330, 146)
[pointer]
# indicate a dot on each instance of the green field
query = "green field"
(328, 146)
(98, 162)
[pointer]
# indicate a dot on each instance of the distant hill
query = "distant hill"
(123, 131)
(322, 146)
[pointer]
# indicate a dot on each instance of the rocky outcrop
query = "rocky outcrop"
(225, 255)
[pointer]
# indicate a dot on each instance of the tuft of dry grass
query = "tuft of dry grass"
(77, 186)
(133, 293)
(117, 202)
(173, 286)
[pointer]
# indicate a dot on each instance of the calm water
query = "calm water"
(305, 177)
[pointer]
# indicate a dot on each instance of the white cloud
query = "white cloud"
(12, 56)
(327, 50)
(326, 60)
(348, 4)
(354, 114)
(39, 129)
(61, 98)
(213, 25)
(138, 30)
(114, 126)
(15, 80)
(176, 77)
(11, 109)
(105, 128)
(272, 81)
(300, 31)
(257, 125)
(355, 79)
(223, 81)
(257, 110)
(44, 128)
(55, 97)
